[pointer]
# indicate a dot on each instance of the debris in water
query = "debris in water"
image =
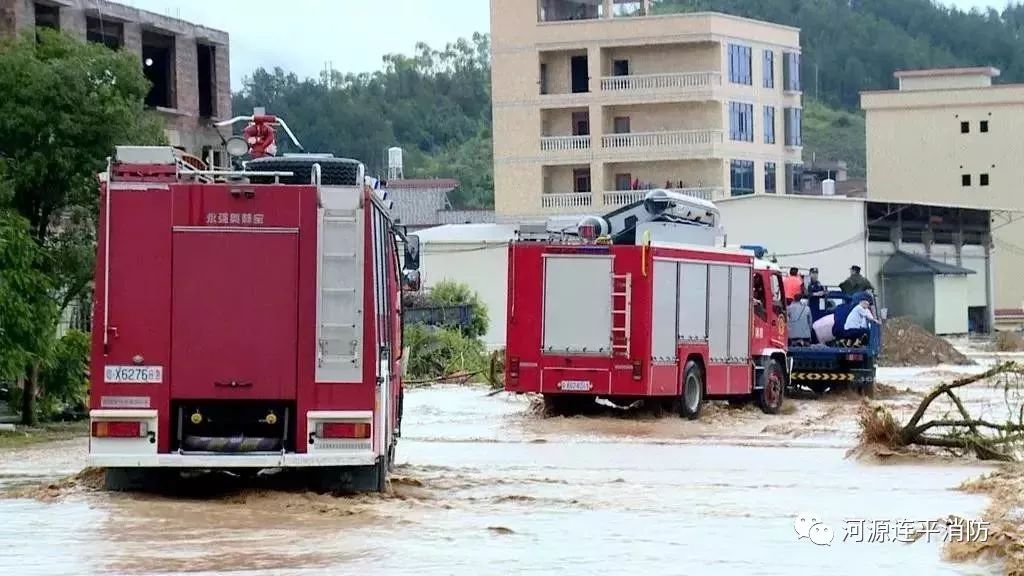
(904, 343)
(1005, 539)
(500, 530)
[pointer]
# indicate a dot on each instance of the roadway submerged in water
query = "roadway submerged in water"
(487, 486)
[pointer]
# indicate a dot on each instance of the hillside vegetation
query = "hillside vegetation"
(436, 103)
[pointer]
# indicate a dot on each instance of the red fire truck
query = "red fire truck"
(246, 320)
(640, 305)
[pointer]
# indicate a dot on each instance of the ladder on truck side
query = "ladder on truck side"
(340, 301)
(622, 300)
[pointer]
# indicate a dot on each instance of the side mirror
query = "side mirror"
(411, 281)
(412, 252)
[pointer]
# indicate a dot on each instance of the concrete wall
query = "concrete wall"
(951, 304)
(483, 267)
(831, 229)
(653, 45)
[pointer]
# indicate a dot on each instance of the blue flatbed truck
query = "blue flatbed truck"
(837, 365)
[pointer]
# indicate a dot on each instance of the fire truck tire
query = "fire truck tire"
(691, 398)
(773, 390)
(333, 171)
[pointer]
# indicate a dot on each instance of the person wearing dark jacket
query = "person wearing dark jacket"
(816, 295)
(855, 283)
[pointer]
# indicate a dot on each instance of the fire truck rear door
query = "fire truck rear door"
(235, 313)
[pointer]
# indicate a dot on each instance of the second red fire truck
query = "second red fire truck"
(640, 304)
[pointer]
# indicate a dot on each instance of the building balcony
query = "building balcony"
(572, 202)
(617, 198)
(679, 82)
(564, 143)
(686, 141)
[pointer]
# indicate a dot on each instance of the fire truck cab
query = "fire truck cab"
(246, 320)
(642, 305)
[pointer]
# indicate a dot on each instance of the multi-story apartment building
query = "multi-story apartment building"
(187, 64)
(951, 137)
(595, 100)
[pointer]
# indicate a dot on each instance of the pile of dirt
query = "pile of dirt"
(904, 343)
(1005, 517)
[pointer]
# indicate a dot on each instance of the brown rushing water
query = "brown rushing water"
(485, 486)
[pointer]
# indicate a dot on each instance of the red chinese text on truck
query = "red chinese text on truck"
(640, 304)
(245, 320)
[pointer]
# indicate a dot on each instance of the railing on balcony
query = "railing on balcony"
(679, 81)
(561, 143)
(663, 139)
(624, 197)
(574, 200)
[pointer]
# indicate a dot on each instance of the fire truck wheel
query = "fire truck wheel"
(772, 393)
(692, 397)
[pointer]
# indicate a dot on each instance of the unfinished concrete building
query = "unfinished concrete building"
(187, 64)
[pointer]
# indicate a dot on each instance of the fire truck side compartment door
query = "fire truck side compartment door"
(577, 303)
(693, 301)
(664, 316)
(739, 314)
(718, 314)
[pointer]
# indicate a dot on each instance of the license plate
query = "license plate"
(133, 374)
(575, 385)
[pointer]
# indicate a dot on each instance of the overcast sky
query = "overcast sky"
(303, 35)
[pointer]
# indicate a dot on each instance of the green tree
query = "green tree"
(66, 104)
(27, 310)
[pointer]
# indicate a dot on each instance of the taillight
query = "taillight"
(855, 357)
(637, 370)
(115, 429)
(513, 367)
(344, 430)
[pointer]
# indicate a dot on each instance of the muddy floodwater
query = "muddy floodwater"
(486, 486)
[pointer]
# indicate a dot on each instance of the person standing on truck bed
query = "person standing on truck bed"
(855, 283)
(798, 319)
(793, 284)
(816, 293)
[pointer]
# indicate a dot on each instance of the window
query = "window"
(158, 59)
(106, 32)
(769, 69)
(741, 122)
(741, 177)
(769, 125)
(581, 123)
(965, 127)
(791, 71)
(47, 16)
(769, 177)
(623, 181)
(621, 125)
(965, 180)
(543, 78)
(620, 68)
(579, 74)
(794, 127)
(777, 304)
(759, 297)
(794, 178)
(984, 126)
(206, 64)
(740, 65)
(983, 180)
(581, 180)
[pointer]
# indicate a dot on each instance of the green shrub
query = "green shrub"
(436, 353)
(63, 379)
(450, 292)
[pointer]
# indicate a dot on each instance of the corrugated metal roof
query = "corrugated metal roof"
(904, 264)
